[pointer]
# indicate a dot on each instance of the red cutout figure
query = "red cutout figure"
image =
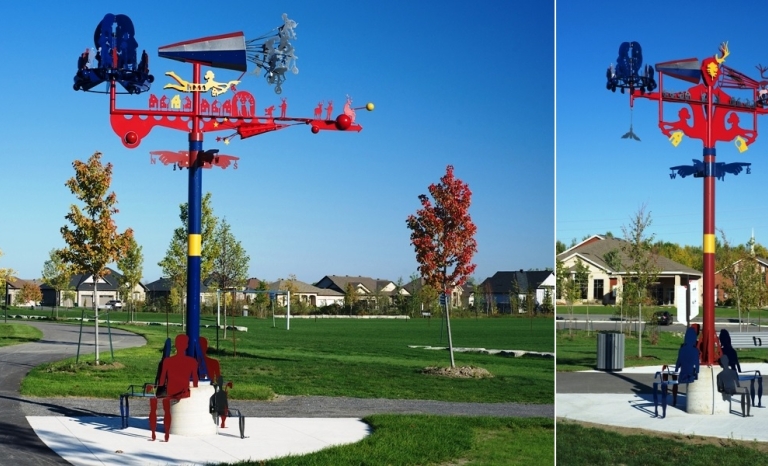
(212, 365)
(176, 372)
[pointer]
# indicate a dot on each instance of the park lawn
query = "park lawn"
(578, 445)
(580, 352)
(440, 440)
(366, 358)
(14, 334)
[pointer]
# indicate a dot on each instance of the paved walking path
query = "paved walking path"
(86, 430)
(625, 399)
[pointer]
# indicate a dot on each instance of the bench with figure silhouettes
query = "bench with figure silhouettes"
(174, 374)
(686, 371)
(728, 344)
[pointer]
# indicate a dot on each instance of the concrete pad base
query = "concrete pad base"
(703, 397)
(190, 417)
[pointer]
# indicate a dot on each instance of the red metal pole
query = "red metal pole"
(707, 340)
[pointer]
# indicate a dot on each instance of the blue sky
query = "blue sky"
(467, 84)
(602, 179)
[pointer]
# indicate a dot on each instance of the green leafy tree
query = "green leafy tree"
(174, 264)
(569, 285)
(57, 276)
(443, 237)
(131, 266)
(93, 241)
(642, 266)
(546, 306)
(230, 266)
(514, 298)
(350, 297)
(261, 299)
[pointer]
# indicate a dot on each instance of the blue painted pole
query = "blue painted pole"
(194, 225)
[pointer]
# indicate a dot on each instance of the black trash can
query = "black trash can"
(610, 351)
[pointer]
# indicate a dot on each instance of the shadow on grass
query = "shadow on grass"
(245, 355)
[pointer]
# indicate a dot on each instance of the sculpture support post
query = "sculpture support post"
(194, 215)
(707, 345)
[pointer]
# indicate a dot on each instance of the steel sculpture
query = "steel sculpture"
(709, 114)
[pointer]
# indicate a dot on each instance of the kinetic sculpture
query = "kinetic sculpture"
(708, 114)
(113, 61)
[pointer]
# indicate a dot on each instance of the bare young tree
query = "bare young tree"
(642, 264)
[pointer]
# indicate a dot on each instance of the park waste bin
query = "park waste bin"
(610, 351)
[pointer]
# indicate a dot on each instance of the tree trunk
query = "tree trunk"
(639, 331)
(96, 313)
(448, 324)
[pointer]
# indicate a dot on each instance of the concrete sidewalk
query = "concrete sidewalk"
(100, 441)
(625, 399)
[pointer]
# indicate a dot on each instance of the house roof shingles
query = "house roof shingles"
(595, 251)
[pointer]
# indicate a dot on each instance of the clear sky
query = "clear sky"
(602, 179)
(467, 84)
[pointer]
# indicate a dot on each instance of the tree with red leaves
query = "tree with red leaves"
(443, 237)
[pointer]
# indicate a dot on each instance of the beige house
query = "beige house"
(605, 282)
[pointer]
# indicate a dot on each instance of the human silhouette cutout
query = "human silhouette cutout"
(686, 370)
(219, 403)
(175, 373)
(212, 365)
(733, 362)
(728, 385)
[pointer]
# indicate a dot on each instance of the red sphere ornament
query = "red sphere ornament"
(131, 138)
(315, 130)
(343, 122)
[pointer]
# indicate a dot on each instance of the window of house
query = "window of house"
(597, 288)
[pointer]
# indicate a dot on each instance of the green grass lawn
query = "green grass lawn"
(443, 440)
(361, 358)
(335, 357)
(14, 334)
(578, 445)
(579, 352)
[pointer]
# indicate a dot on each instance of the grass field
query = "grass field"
(444, 440)
(335, 357)
(14, 334)
(361, 358)
(578, 445)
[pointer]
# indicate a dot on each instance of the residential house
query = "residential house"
(160, 289)
(108, 288)
(594, 252)
(367, 289)
(720, 294)
(310, 295)
(461, 296)
(13, 287)
(504, 284)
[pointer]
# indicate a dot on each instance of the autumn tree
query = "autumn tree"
(174, 263)
(131, 265)
(642, 267)
(57, 276)
(93, 240)
(5, 276)
(29, 292)
(443, 236)
(743, 280)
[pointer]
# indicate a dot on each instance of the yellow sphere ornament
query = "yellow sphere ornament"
(369, 106)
